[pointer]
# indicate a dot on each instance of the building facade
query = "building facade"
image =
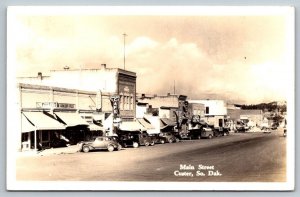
(253, 116)
(104, 81)
(215, 111)
(49, 113)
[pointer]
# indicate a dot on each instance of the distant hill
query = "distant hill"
(267, 107)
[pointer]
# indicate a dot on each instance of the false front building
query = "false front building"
(103, 80)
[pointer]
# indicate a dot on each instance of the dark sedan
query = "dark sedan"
(102, 142)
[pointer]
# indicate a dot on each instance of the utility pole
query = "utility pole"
(174, 87)
(124, 35)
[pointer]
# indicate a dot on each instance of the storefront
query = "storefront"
(38, 129)
(54, 117)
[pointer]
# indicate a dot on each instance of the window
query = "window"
(207, 110)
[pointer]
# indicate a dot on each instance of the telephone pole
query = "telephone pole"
(124, 36)
(174, 87)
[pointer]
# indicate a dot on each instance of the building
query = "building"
(103, 80)
(215, 111)
(46, 113)
(255, 117)
(163, 106)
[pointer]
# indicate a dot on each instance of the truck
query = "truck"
(218, 124)
(191, 126)
(199, 129)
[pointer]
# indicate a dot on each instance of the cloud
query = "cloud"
(207, 57)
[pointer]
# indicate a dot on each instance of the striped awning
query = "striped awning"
(145, 123)
(71, 119)
(39, 121)
(168, 122)
(132, 126)
(26, 125)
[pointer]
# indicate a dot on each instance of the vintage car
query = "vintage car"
(101, 142)
(169, 137)
(207, 132)
(204, 132)
(220, 131)
(135, 139)
(241, 127)
(158, 139)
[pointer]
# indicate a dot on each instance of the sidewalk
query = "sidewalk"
(51, 151)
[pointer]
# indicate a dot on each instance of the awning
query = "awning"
(41, 121)
(131, 126)
(71, 119)
(148, 126)
(168, 122)
(26, 125)
(145, 123)
(94, 127)
(162, 125)
(156, 121)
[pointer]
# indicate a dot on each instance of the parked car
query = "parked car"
(158, 139)
(241, 127)
(135, 139)
(207, 132)
(101, 142)
(169, 137)
(220, 131)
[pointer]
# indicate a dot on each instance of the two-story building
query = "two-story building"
(46, 113)
(103, 80)
(215, 111)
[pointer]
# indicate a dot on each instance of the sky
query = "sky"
(239, 58)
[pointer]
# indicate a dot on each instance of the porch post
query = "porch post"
(35, 139)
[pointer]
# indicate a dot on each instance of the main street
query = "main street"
(237, 157)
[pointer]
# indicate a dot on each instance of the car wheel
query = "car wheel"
(135, 145)
(210, 136)
(162, 141)
(110, 148)
(147, 143)
(170, 140)
(177, 140)
(152, 143)
(85, 149)
(119, 147)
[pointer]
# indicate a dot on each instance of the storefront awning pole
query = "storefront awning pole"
(35, 140)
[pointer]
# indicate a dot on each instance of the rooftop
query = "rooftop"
(103, 67)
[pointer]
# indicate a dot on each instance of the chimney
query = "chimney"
(103, 66)
(40, 76)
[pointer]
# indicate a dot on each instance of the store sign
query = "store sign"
(46, 105)
(115, 105)
(49, 105)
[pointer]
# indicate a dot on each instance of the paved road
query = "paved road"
(238, 157)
